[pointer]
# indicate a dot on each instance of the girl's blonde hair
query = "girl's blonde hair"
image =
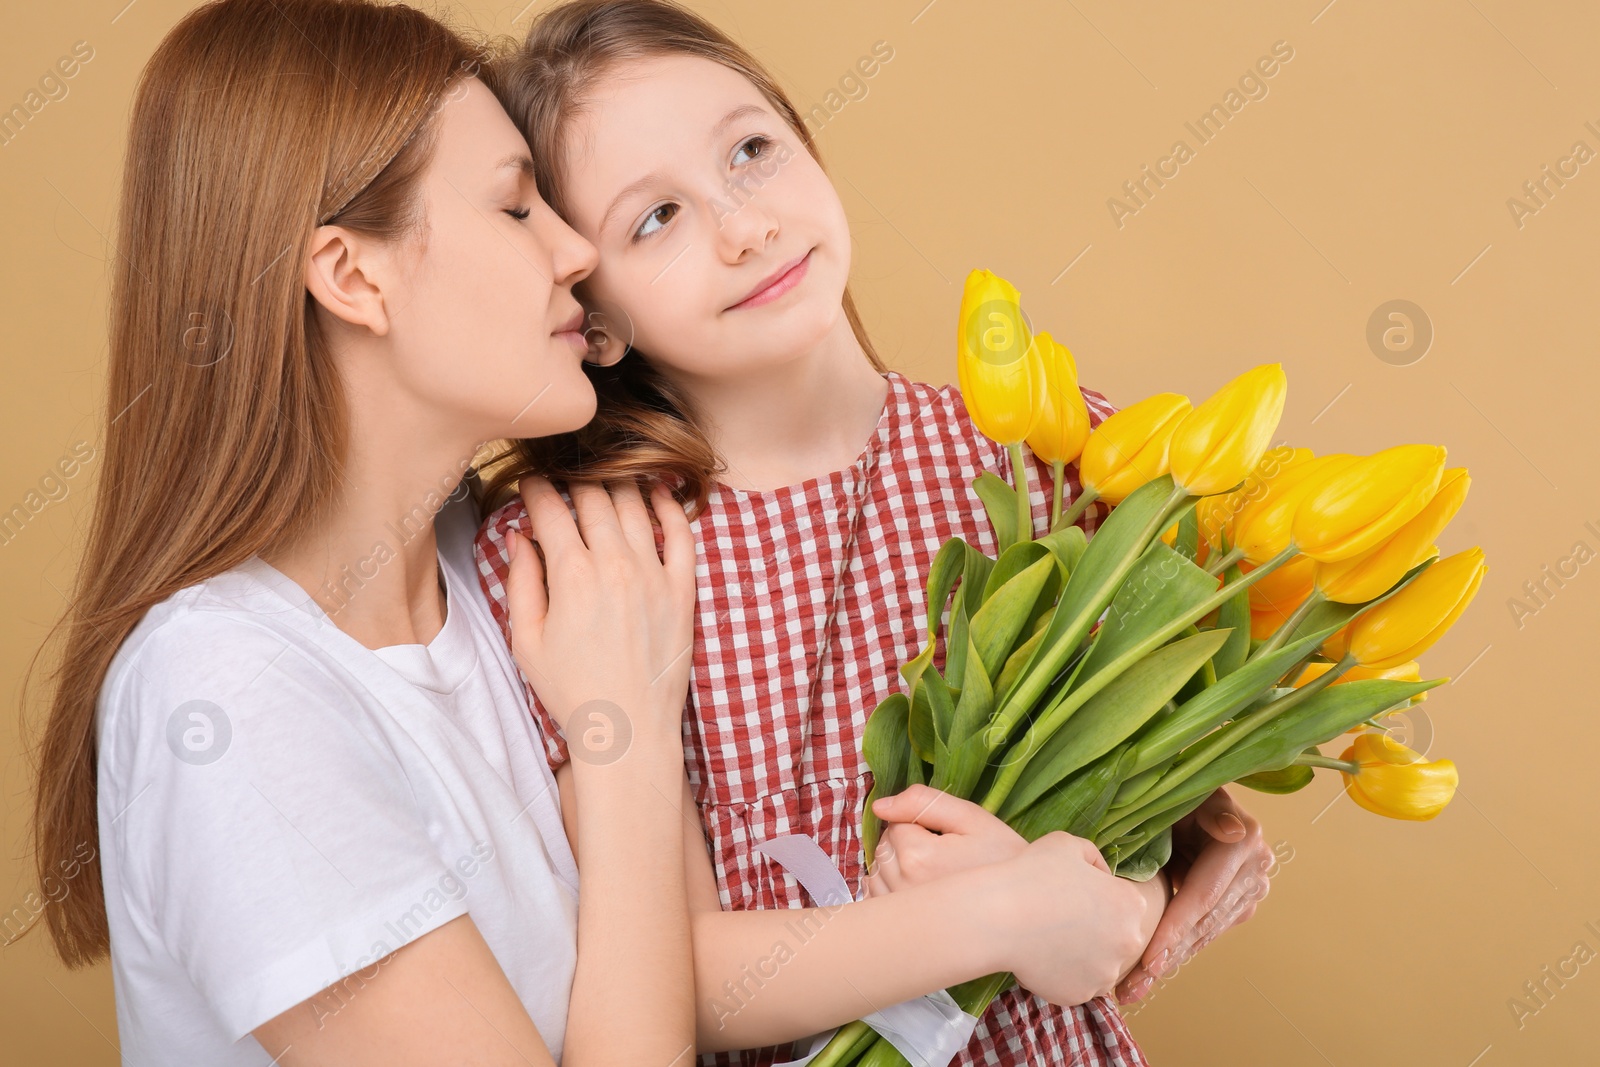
(644, 428)
(254, 122)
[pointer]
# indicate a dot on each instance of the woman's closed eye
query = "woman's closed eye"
(520, 214)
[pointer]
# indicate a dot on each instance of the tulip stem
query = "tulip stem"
(1313, 600)
(1058, 469)
(1078, 507)
(1019, 470)
(1224, 561)
(1347, 766)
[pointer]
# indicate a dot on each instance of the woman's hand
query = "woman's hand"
(1219, 865)
(602, 626)
(930, 834)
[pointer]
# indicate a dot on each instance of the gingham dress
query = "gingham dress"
(772, 731)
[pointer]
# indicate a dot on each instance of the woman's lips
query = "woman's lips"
(784, 282)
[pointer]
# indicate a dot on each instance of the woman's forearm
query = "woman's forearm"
(633, 989)
(1157, 890)
(765, 977)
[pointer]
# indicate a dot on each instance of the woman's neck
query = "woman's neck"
(799, 421)
(372, 562)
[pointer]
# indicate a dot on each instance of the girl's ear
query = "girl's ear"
(342, 274)
(609, 332)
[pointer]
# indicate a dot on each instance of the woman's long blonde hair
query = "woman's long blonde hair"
(644, 428)
(255, 122)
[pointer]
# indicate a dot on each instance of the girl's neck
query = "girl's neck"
(801, 420)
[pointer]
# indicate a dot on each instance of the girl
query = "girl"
(724, 258)
(288, 757)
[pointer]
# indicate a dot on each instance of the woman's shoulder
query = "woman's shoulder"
(229, 642)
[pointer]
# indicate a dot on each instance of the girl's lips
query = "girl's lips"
(577, 338)
(783, 284)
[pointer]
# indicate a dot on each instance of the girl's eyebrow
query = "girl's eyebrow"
(655, 176)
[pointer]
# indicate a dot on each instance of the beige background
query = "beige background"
(1377, 167)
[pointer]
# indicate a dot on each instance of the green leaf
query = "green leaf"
(1231, 695)
(942, 709)
(1160, 586)
(1115, 547)
(1235, 613)
(1000, 501)
(1075, 805)
(1068, 546)
(1009, 604)
(1149, 858)
(1288, 779)
(886, 747)
(920, 726)
(1321, 717)
(1188, 540)
(1111, 716)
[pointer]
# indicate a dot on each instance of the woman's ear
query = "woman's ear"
(343, 273)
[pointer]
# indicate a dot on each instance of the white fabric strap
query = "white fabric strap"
(928, 1031)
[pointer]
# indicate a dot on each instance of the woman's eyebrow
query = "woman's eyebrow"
(521, 160)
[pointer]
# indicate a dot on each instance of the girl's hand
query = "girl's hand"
(602, 626)
(1219, 864)
(931, 834)
(1069, 928)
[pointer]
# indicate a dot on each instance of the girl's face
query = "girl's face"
(478, 307)
(723, 246)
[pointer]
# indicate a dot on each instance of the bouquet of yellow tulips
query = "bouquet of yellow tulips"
(1240, 607)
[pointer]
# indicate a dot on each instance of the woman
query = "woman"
(287, 730)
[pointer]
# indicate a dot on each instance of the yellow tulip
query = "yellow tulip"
(999, 366)
(1409, 671)
(1262, 528)
(1064, 425)
(1216, 512)
(1395, 781)
(1283, 588)
(1408, 623)
(1265, 622)
(1371, 573)
(1129, 448)
(1367, 501)
(1221, 441)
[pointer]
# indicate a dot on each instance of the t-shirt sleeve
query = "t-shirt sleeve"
(268, 834)
(491, 553)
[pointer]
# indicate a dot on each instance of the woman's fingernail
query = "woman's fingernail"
(1229, 823)
(1158, 965)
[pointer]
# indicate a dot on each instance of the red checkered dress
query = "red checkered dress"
(772, 732)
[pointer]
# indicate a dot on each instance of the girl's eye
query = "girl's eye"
(760, 143)
(520, 213)
(656, 216)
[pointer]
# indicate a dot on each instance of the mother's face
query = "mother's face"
(476, 310)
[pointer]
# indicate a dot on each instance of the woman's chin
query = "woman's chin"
(560, 407)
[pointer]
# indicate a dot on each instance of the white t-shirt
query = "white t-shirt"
(280, 807)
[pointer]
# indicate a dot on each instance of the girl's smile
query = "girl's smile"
(787, 277)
